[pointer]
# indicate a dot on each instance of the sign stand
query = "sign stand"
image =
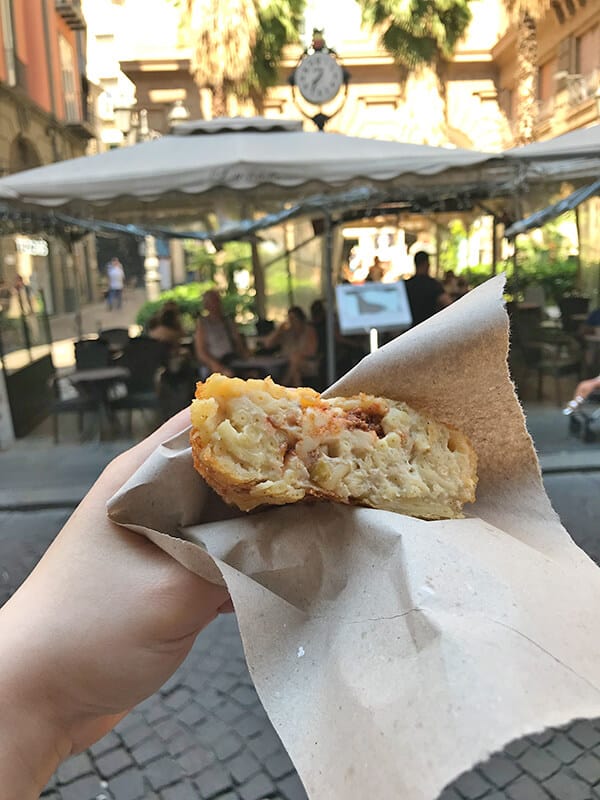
(374, 339)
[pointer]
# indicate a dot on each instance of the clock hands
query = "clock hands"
(317, 79)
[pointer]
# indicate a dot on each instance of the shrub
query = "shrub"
(189, 299)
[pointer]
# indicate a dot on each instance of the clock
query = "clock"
(319, 77)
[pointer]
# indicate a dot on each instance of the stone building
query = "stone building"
(44, 117)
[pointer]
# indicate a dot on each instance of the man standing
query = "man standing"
(425, 294)
(116, 279)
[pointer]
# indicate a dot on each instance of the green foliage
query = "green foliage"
(477, 274)
(456, 233)
(189, 299)
(279, 24)
(557, 277)
(418, 32)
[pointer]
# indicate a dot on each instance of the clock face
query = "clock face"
(319, 78)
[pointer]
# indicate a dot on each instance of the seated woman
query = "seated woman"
(166, 325)
(217, 340)
(297, 340)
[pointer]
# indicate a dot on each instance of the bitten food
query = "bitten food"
(257, 443)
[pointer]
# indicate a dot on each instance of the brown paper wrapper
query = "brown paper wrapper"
(392, 654)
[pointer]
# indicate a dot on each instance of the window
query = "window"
(69, 81)
(8, 41)
(587, 51)
(546, 80)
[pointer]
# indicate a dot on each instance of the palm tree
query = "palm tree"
(237, 45)
(525, 15)
(223, 36)
(418, 32)
(420, 35)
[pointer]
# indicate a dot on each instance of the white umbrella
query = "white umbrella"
(261, 162)
(580, 143)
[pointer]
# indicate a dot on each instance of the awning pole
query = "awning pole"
(330, 301)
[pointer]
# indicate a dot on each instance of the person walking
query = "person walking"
(425, 294)
(116, 280)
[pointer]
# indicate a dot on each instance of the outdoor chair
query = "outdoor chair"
(558, 355)
(67, 399)
(145, 358)
(92, 354)
(570, 309)
(116, 338)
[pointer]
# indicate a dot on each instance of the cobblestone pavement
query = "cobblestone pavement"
(205, 734)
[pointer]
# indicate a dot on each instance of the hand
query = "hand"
(102, 622)
(318, 77)
(585, 388)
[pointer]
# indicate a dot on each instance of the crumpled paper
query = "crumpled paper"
(393, 654)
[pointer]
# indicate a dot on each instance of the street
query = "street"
(205, 734)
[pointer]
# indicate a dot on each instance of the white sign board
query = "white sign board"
(364, 306)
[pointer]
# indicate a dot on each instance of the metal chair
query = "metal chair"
(116, 338)
(76, 403)
(145, 358)
(92, 353)
(558, 355)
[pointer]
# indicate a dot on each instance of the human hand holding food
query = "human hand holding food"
(101, 623)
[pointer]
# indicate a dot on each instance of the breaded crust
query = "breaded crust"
(257, 443)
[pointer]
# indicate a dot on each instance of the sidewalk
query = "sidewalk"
(65, 330)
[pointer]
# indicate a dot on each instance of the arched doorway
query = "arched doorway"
(23, 154)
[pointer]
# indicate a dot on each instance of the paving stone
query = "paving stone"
(543, 738)
(563, 786)
(291, 788)
(587, 767)
(499, 771)
(180, 744)
(108, 742)
(87, 788)
(192, 714)
(564, 749)
(132, 720)
(524, 788)
(178, 699)
(210, 731)
(213, 782)
(257, 787)
(223, 682)
(539, 763)
(449, 794)
(128, 785)
(135, 736)
(229, 711)
(228, 746)
(113, 762)
(75, 767)
(168, 729)
(517, 748)
(182, 791)
(163, 772)
(148, 750)
(265, 744)
(173, 683)
(279, 764)
(155, 714)
(195, 760)
(229, 796)
(584, 734)
(249, 725)
(243, 767)
(472, 785)
(245, 695)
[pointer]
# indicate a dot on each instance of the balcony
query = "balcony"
(70, 11)
(582, 88)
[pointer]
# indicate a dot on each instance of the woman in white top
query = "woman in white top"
(217, 339)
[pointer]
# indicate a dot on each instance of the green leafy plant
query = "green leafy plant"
(189, 300)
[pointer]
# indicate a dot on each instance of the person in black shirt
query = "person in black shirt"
(425, 294)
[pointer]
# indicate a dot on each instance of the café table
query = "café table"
(96, 383)
(273, 365)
